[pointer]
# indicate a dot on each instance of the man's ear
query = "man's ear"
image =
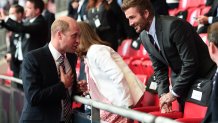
(146, 13)
(59, 34)
(38, 11)
(213, 47)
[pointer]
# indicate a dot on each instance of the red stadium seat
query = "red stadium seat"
(205, 9)
(185, 4)
(147, 67)
(203, 2)
(136, 66)
(140, 65)
(142, 52)
(150, 108)
(173, 115)
(193, 14)
(193, 113)
(143, 78)
(125, 49)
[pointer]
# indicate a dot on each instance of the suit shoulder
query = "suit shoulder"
(171, 19)
(40, 51)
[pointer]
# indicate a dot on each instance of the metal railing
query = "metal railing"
(96, 106)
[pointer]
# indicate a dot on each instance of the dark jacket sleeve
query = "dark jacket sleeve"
(33, 28)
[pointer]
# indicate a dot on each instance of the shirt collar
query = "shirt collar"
(54, 52)
(32, 19)
(152, 30)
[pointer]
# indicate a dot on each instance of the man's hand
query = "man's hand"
(166, 108)
(2, 14)
(8, 57)
(166, 102)
(82, 85)
(202, 20)
(66, 78)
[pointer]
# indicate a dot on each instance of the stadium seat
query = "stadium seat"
(143, 78)
(203, 2)
(185, 4)
(193, 14)
(136, 66)
(173, 115)
(205, 9)
(151, 108)
(142, 52)
(140, 65)
(193, 113)
(125, 49)
(147, 67)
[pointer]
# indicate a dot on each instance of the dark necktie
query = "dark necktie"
(153, 42)
(67, 101)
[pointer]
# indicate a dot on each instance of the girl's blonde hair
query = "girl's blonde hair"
(88, 37)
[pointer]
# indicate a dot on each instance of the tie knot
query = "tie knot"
(61, 59)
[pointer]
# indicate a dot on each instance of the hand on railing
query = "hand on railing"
(83, 87)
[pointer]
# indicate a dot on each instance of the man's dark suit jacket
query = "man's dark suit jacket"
(182, 50)
(50, 18)
(212, 111)
(36, 33)
(42, 87)
(73, 12)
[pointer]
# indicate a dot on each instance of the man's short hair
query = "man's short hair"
(19, 8)
(213, 33)
(140, 4)
(38, 4)
(59, 25)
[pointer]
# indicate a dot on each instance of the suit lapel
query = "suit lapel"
(150, 47)
(160, 39)
(51, 64)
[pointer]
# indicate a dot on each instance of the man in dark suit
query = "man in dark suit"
(49, 75)
(49, 17)
(212, 111)
(35, 28)
(77, 9)
(15, 55)
(209, 18)
(171, 43)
